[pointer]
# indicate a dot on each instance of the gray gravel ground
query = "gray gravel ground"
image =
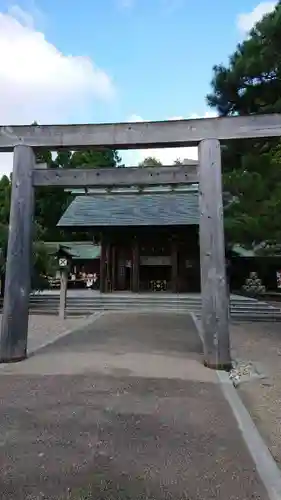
(261, 343)
(107, 433)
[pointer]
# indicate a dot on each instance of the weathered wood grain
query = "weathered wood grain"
(170, 133)
(63, 293)
(13, 341)
(212, 255)
(110, 177)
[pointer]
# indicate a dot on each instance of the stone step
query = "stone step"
(241, 309)
(189, 307)
(234, 318)
(93, 301)
(120, 304)
(140, 297)
(136, 300)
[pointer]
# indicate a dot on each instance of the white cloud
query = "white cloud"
(170, 6)
(25, 18)
(38, 82)
(126, 4)
(167, 156)
(246, 21)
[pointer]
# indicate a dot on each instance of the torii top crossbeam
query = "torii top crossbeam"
(171, 133)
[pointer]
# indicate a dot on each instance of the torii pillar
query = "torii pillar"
(14, 328)
(215, 301)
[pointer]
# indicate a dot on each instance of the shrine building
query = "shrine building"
(149, 240)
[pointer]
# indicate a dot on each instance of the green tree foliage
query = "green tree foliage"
(108, 158)
(150, 162)
(251, 84)
(5, 197)
(43, 266)
(255, 185)
(50, 203)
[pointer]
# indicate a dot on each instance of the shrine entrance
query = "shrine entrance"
(205, 133)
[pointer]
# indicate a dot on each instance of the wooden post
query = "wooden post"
(102, 266)
(212, 255)
(113, 274)
(63, 292)
(135, 266)
(121, 270)
(174, 266)
(14, 329)
(108, 268)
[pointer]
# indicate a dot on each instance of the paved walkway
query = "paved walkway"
(122, 409)
(44, 329)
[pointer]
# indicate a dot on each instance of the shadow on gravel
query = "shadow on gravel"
(165, 333)
(97, 436)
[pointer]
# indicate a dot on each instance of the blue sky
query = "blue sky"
(159, 53)
(154, 57)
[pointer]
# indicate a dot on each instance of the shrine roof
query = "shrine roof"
(120, 210)
(78, 250)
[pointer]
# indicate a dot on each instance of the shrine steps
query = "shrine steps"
(83, 303)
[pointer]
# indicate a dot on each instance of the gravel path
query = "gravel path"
(134, 431)
(261, 344)
(45, 328)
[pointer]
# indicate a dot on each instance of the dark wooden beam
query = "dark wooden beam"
(108, 266)
(113, 267)
(109, 177)
(175, 265)
(103, 265)
(170, 133)
(135, 265)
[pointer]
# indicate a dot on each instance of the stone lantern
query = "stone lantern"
(64, 258)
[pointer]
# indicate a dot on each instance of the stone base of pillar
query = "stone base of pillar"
(227, 367)
(16, 359)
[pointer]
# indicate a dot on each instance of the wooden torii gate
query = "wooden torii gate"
(205, 133)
